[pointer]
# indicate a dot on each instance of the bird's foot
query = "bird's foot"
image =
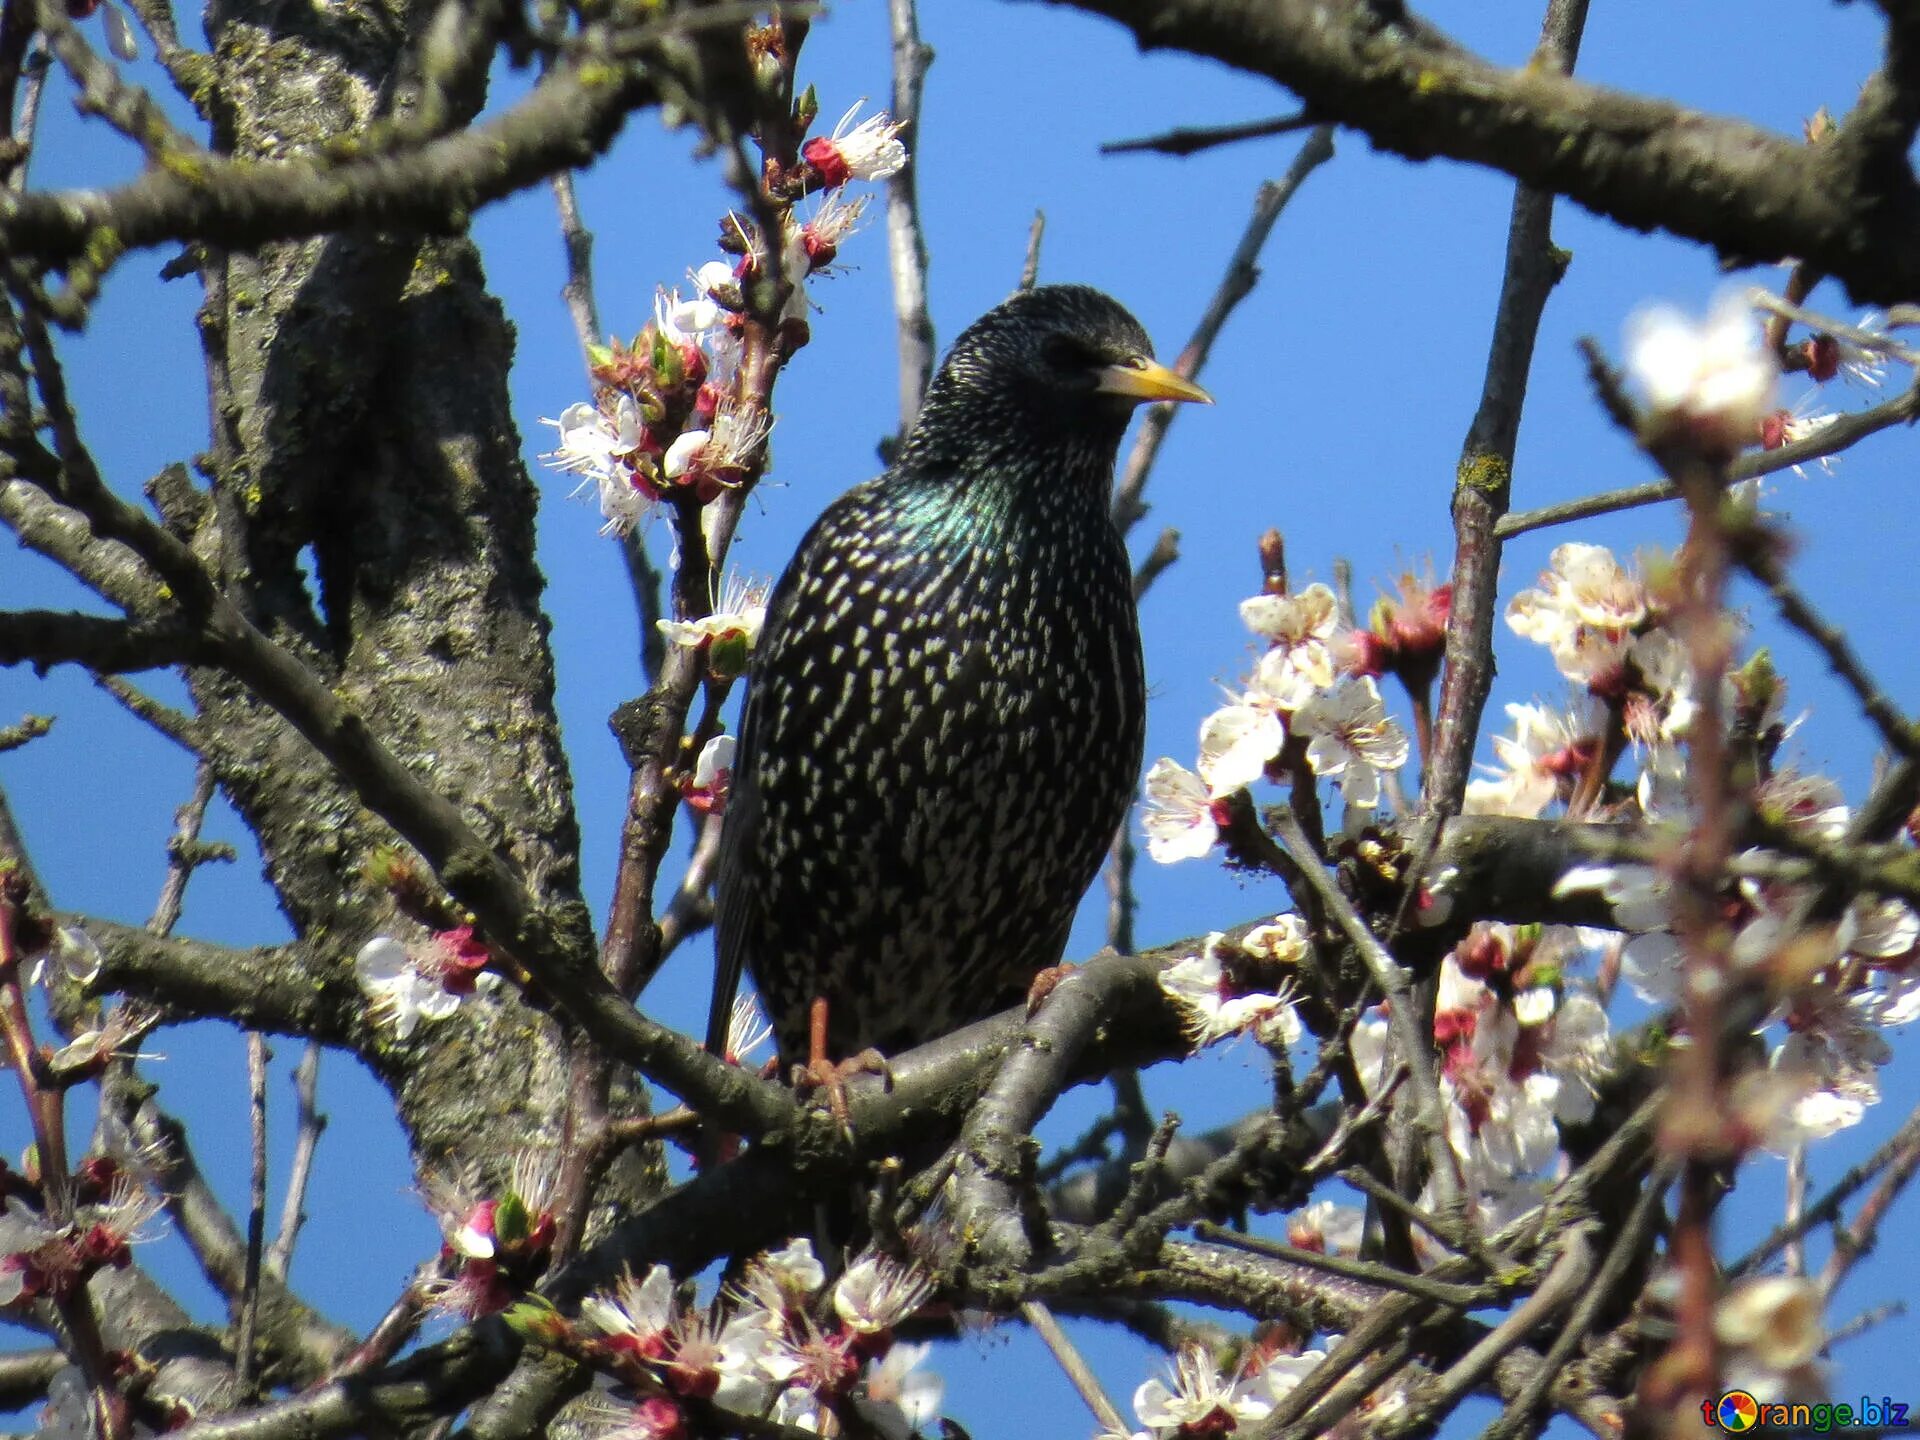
(821, 1074)
(1045, 983)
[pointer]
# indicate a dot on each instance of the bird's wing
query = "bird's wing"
(735, 913)
(739, 831)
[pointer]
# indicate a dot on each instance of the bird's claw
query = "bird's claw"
(821, 1074)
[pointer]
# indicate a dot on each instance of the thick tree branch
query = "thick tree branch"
(568, 119)
(1751, 194)
(45, 638)
(555, 943)
(285, 989)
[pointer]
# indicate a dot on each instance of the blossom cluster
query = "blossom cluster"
(668, 418)
(780, 1344)
(1711, 384)
(1235, 987)
(1606, 626)
(1313, 689)
(1521, 1050)
(1841, 986)
(40, 1256)
(497, 1247)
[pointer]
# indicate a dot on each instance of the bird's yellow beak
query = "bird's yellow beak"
(1144, 379)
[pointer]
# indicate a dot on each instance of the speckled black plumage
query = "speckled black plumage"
(945, 710)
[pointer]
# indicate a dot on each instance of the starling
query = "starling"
(946, 707)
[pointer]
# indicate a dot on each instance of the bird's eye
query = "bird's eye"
(1063, 352)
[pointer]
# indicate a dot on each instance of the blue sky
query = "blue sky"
(1344, 386)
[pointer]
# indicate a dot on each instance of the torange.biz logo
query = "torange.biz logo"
(1738, 1411)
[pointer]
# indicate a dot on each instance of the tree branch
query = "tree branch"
(1751, 194)
(568, 119)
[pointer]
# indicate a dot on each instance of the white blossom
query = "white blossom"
(1300, 627)
(1327, 1227)
(1235, 745)
(1351, 738)
(1710, 380)
(639, 1311)
(1197, 1400)
(1216, 1003)
(869, 150)
(1179, 818)
(877, 1292)
(898, 1398)
(402, 991)
(739, 614)
(1547, 748)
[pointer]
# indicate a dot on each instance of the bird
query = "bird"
(946, 704)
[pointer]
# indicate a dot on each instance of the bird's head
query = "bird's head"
(1055, 364)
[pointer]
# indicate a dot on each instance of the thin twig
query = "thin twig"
(1484, 477)
(256, 1208)
(1796, 1202)
(1841, 434)
(1460, 1297)
(1762, 562)
(1166, 550)
(906, 243)
(1242, 274)
(691, 909)
(1872, 341)
(578, 240)
(1030, 271)
(1854, 1240)
(1396, 985)
(1189, 139)
(1626, 1248)
(648, 595)
(1565, 1281)
(311, 1123)
(1865, 1321)
(33, 72)
(1830, 1205)
(184, 854)
(1075, 1366)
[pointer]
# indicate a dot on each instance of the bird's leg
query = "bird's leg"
(820, 1073)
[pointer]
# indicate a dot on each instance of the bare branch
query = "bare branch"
(1030, 270)
(45, 638)
(185, 853)
(310, 1125)
(1188, 140)
(1075, 1365)
(1242, 274)
(1751, 194)
(1840, 435)
(25, 1375)
(1484, 479)
(567, 119)
(249, 1317)
(578, 243)
(906, 245)
(1761, 560)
